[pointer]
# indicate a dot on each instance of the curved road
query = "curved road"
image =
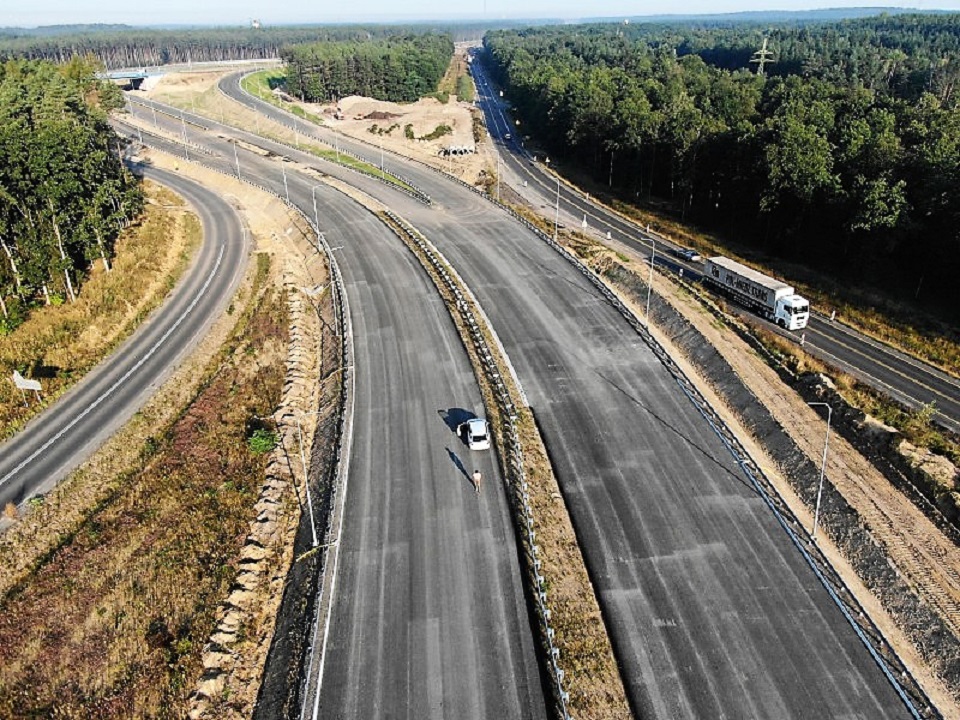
(429, 618)
(906, 379)
(57, 441)
(712, 610)
(429, 592)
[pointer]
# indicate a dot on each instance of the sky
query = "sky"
(31, 13)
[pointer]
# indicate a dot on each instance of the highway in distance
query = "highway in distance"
(908, 380)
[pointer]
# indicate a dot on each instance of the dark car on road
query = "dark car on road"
(687, 254)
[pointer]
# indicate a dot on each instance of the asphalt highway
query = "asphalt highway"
(712, 611)
(430, 614)
(60, 439)
(429, 619)
(906, 379)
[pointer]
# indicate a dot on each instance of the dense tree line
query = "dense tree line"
(851, 166)
(119, 46)
(64, 193)
(400, 68)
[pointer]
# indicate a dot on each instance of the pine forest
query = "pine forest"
(64, 193)
(835, 146)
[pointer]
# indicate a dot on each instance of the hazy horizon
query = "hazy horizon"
(241, 12)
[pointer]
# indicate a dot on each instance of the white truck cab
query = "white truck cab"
(767, 296)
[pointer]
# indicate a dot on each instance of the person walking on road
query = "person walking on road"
(477, 479)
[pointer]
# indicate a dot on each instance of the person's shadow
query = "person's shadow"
(455, 459)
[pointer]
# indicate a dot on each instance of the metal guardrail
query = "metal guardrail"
(885, 656)
(880, 650)
(344, 432)
(516, 476)
(891, 664)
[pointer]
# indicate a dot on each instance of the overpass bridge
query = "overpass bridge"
(131, 79)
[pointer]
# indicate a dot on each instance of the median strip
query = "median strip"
(573, 639)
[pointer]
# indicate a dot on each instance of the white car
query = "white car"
(476, 433)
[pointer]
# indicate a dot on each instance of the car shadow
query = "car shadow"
(455, 417)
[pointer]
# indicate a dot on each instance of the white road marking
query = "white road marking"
(92, 406)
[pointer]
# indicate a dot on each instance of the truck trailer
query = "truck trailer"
(768, 297)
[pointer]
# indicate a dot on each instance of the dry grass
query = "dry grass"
(112, 622)
(59, 344)
(916, 426)
(456, 80)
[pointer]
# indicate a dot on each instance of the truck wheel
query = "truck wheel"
(781, 323)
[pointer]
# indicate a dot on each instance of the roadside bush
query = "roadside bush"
(262, 441)
(438, 132)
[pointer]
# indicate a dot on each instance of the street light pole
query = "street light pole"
(236, 158)
(653, 255)
(823, 466)
(183, 125)
(498, 176)
(556, 217)
(286, 189)
(316, 215)
(306, 479)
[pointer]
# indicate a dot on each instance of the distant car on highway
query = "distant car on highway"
(687, 254)
(475, 433)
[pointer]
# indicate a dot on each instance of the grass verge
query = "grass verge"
(57, 345)
(456, 80)
(111, 622)
(262, 83)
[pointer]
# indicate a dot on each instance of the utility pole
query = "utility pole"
(761, 57)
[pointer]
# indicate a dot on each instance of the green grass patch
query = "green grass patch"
(438, 132)
(262, 83)
(465, 89)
